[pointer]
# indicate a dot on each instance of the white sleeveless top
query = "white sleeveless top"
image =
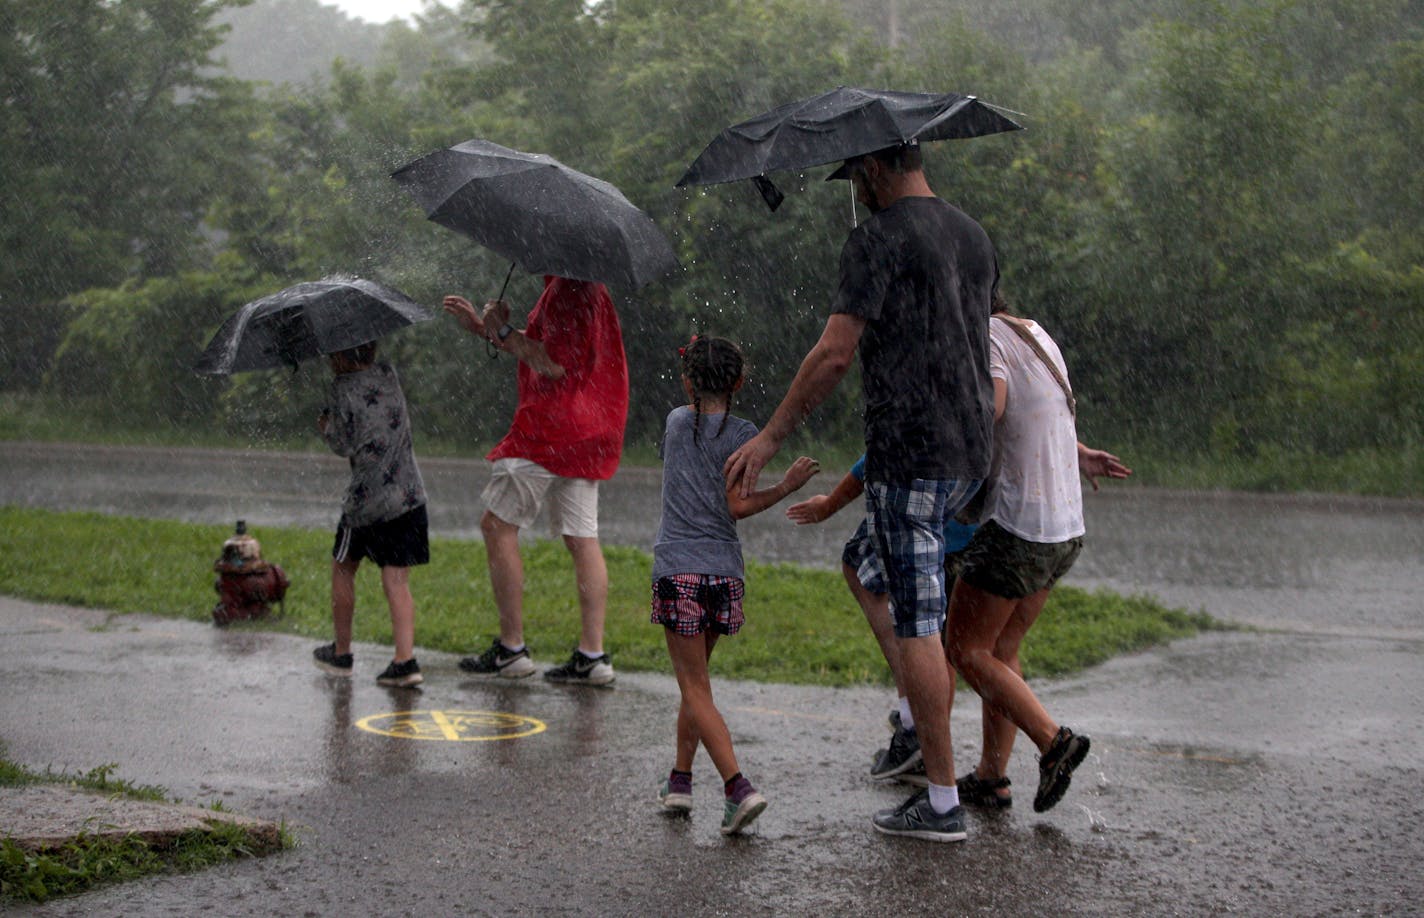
(1037, 495)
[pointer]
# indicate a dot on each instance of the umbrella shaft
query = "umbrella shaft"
(505, 286)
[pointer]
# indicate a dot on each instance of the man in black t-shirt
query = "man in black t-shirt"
(915, 284)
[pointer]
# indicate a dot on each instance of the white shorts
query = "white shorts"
(518, 489)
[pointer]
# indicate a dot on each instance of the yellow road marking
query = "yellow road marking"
(445, 726)
(451, 726)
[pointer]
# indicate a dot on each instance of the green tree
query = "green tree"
(116, 137)
(129, 350)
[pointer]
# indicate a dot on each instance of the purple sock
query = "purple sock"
(738, 788)
(680, 782)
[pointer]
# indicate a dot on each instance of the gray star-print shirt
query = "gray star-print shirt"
(370, 425)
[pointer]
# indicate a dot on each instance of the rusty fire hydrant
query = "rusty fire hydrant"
(245, 583)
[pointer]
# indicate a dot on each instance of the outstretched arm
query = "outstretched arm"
(1095, 463)
(531, 352)
(823, 506)
(796, 477)
(488, 326)
(464, 312)
(820, 371)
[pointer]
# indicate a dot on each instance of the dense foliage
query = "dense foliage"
(1215, 207)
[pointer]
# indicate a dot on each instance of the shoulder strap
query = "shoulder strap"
(1023, 332)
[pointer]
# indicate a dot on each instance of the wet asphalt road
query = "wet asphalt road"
(1232, 773)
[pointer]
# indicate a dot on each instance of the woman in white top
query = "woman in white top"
(1031, 534)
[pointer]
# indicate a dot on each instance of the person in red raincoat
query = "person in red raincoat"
(566, 437)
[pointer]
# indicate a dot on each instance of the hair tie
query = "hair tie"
(682, 351)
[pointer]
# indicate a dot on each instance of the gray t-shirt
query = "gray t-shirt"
(921, 274)
(697, 534)
(370, 426)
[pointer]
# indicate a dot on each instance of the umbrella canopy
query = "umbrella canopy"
(835, 126)
(539, 213)
(307, 320)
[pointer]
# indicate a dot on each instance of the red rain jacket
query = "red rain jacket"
(572, 426)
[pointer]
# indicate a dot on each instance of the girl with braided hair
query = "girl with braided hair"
(697, 564)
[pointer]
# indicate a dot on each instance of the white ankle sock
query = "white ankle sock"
(943, 799)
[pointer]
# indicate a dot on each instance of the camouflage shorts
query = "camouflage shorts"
(999, 562)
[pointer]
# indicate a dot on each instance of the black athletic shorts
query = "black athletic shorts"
(401, 542)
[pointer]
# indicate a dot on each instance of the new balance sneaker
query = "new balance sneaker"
(583, 670)
(676, 794)
(737, 814)
(915, 818)
(401, 675)
(326, 657)
(1055, 768)
(902, 755)
(500, 661)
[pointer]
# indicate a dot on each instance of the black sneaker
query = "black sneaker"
(328, 659)
(1055, 768)
(915, 818)
(977, 791)
(401, 675)
(915, 776)
(903, 754)
(583, 670)
(500, 661)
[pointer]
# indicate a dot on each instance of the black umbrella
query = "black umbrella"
(307, 320)
(835, 126)
(534, 210)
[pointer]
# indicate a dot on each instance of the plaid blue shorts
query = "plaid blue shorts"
(859, 555)
(690, 604)
(905, 523)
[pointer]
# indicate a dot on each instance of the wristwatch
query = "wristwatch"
(505, 331)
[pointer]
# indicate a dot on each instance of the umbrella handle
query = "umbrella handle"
(490, 348)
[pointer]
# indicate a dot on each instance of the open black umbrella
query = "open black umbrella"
(539, 213)
(305, 321)
(834, 126)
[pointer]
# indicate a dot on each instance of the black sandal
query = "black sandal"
(976, 791)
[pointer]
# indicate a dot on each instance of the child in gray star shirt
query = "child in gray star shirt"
(383, 513)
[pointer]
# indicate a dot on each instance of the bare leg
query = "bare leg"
(396, 583)
(591, 575)
(688, 737)
(698, 719)
(929, 686)
(506, 571)
(876, 607)
(999, 731)
(343, 602)
(976, 621)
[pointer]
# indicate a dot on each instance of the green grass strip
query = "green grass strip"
(88, 861)
(802, 624)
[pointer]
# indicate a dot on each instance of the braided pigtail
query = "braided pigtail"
(713, 366)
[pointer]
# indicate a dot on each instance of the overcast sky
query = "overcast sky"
(378, 10)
